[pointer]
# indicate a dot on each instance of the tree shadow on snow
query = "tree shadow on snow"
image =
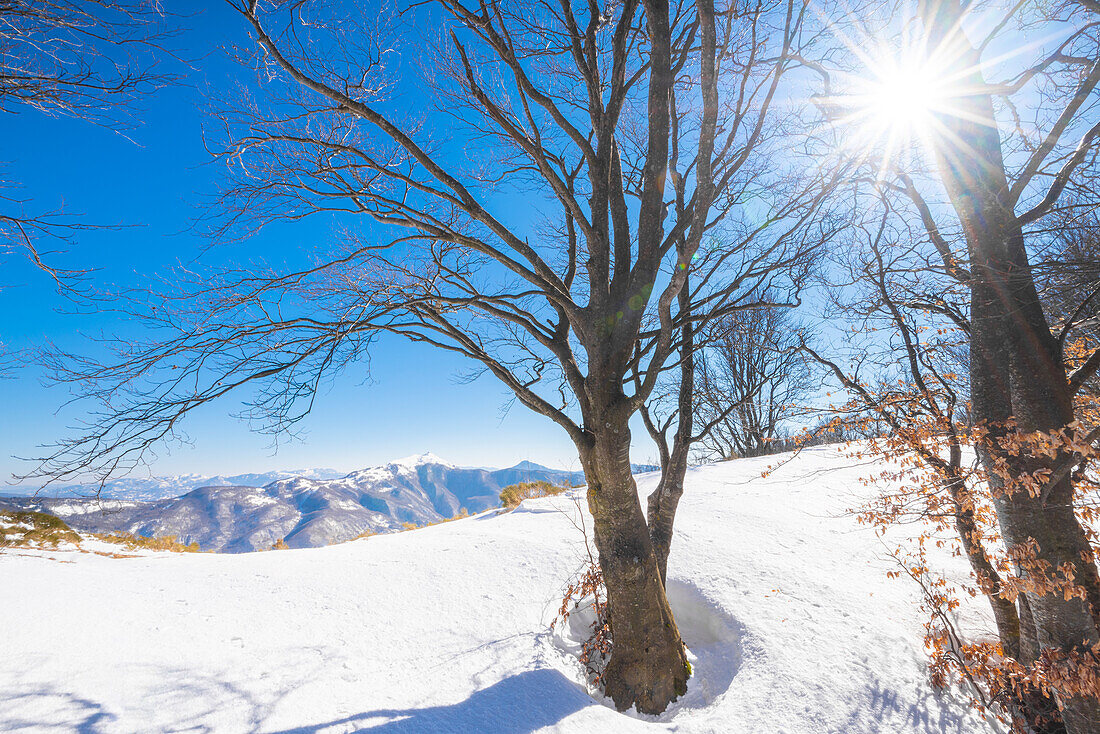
(519, 704)
(931, 712)
(29, 711)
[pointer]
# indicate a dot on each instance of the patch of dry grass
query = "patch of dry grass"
(462, 514)
(26, 528)
(516, 493)
(140, 542)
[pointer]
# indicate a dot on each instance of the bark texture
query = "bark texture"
(648, 666)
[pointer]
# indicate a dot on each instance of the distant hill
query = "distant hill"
(303, 511)
(158, 488)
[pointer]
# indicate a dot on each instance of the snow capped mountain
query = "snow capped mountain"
(419, 459)
(233, 516)
(150, 489)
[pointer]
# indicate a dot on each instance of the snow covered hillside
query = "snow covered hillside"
(302, 512)
(782, 599)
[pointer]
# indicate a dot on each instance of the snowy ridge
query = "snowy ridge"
(420, 459)
(781, 597)
(303, 512)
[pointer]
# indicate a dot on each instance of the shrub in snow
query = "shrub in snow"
(516, 493)
(27, 528)
(586, 595)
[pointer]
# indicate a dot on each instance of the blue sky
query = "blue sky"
(153, 182)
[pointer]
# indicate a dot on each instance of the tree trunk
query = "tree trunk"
(1038, 710)
(662, 502)
(1016, 373)
(1016, 370)
(648, 668)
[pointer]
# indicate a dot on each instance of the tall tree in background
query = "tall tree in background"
(580, 114)
(902, 375)
(752, 380)
(1018, 380)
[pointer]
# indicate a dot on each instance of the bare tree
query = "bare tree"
(688, 406)
(752, 379)
(678, 403)
(748, 271)
(581, 115)
(85, 59)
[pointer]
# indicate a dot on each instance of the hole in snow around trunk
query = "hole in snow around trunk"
(713, 640)
(712, 636)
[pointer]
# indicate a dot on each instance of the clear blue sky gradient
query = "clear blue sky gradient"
(155, 181)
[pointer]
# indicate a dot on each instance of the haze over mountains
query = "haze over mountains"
(160, 488)
(239, 514)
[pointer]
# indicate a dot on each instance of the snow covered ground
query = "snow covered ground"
(782, 599)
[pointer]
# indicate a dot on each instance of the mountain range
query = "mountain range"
(303, 511)
(159, 488)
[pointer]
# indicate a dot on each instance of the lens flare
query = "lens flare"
(904, 99)
(890, 110)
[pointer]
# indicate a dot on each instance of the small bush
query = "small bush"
(516, 493)
(596, 650)
(21, 528)
(588, 584)
(280, 544)
(135, 542)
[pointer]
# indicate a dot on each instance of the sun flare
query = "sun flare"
(904, 99)
(889, 111)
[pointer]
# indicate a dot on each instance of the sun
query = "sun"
(893, 109)
(905, 98)
(902, 99)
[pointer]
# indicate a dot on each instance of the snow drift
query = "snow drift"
(781, 597)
